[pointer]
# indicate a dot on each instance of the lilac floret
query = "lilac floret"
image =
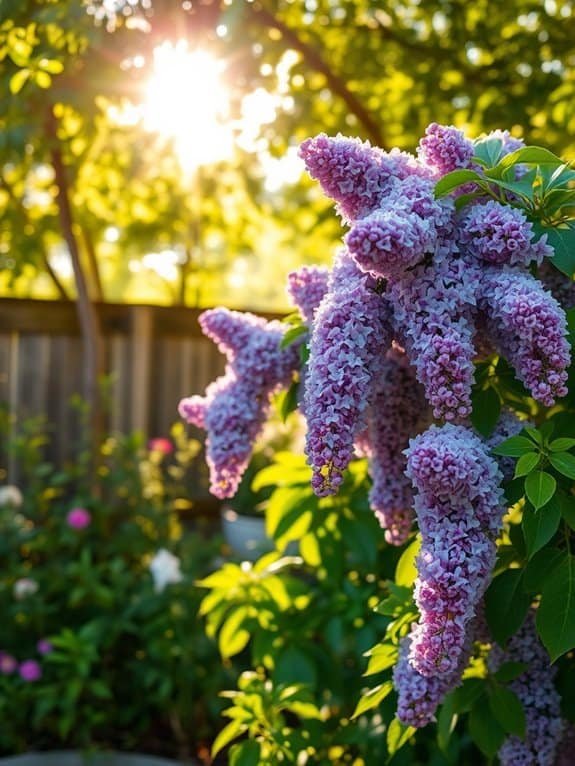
(501, 234)
(397, 411)
(530, 328)
(445, 148)
(354, 173)
(459, 507)
(235, 406)
(350, 332)
(306, 287)
(540, 700)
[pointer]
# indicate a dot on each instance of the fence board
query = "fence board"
(155, 356)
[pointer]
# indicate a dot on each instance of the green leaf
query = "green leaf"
(534, 434)
(567, 503)
(529, 155)
(398, 735)
(446, 723)
(562, 444)
(484, 729)
(540, 526)
(245, 754)
(486, 409)
(506, 604)
(232, 730)
(233, 638)
(465, 695)
(564, 463)
(540, 487)
(527, 463)
(540, 566)
(293, 334)
(515, 446)
(562, 239)
(18, 80)
(372, 698)
(509, 671)
(556, 613)
(488, 151)
(289, 401)
(452, 180)
(507, 710)
(406, 571)
(381, 657)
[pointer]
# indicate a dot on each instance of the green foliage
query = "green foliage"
(129, 665)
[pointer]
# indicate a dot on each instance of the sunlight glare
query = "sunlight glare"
(187, 101)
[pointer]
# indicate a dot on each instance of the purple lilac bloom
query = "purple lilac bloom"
(235, 406)
(401, 231)
(501, 234)
(459, 509)
(353, 173)
(419, 695)
(445, 148)
(306, 287)
(530, 328)
(30, 671)
(349, 338)
(8, 664)
(79, 518)
(433, 312)
(44, 646)
(397, 410)
(540, 700)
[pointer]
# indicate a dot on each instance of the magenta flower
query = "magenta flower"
(30, 671)
(44, 646)
(78, 518)
(7, 664)
(161, 444)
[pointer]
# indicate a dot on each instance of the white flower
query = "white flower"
(165, 569)
(24, 587)
(10, 496)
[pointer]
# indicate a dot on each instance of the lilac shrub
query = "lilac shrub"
(438, 271)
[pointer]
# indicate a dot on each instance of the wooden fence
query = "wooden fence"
(155, 355)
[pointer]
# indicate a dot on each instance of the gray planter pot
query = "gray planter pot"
(73, 758)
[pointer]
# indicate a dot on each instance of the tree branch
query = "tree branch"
(337, 85)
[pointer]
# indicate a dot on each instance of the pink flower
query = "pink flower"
(161, 444)
(44, 646)
(30, 670)
(7, 664)
(79, 518)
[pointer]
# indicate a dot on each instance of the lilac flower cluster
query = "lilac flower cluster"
(500, 234)
(419, 695)
(306, 288)
(445, 148)
(404, 228)
(235, 406)
(540, 700)
(433, 311)
(398, 409)
(354, 173)
(349, 337)
(530, 328)
(29, 670)
(459, 509)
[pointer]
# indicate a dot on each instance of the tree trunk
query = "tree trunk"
(92, 345)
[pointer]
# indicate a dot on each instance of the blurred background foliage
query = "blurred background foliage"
(177, 126)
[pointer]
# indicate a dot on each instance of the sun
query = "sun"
(186, 100)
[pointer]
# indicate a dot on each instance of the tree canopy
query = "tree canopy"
(74, 77)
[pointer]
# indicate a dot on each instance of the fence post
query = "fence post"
(142, 336)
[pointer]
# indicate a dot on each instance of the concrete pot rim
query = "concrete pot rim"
(96, 758)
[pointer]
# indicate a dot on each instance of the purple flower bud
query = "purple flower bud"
(79, 518)
(30, 671)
